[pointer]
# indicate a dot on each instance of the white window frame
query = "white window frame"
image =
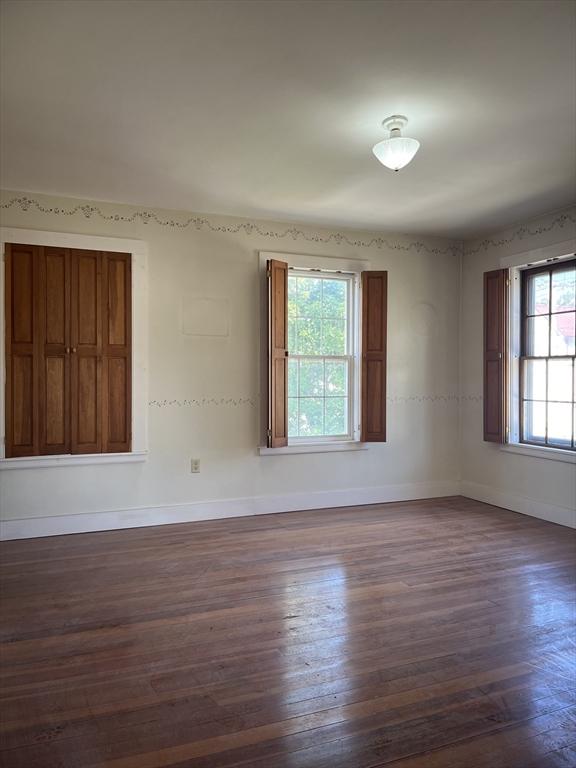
(517, 264)
(352, 342)
(352, 269)
(139, 270)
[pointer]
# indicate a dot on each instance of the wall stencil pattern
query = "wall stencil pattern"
(90, 211)
(559, 221)
(234, 402)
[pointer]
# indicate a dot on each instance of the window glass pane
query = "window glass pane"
(309, 297)
(291, 335)
(292, 417)
(292, 296)
(335, 299)
(538, 294)
(560, 423)
(534, 422)
(336, 373)
(308, 336)
(311, 377)
(560, 380)
(537, 330)
(311, 418)
(336, 415)
(535, 379)
(564, 290)
(292, 378)
(334, 337)
(562, 335)
(318, 316)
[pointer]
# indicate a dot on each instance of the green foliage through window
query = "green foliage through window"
(318, 368)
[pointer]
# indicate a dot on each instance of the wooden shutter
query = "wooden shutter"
(22, 351)
(495, 357)
(278, 353)
(68, 351)
(54, 367)
(86, 357)
(374, 329)
(116, 352)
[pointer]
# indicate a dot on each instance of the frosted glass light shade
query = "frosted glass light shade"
(396, 152)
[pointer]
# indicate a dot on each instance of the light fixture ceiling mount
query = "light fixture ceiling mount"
(396, 151)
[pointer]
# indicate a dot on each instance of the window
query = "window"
(322, 349)
(547, 368)
(326, 352)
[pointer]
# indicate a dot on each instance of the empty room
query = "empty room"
(288, 383)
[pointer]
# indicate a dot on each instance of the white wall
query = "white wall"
(527, 484)
(204, 398)
(217, 257)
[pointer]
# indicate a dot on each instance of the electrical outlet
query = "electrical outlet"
(194, 465)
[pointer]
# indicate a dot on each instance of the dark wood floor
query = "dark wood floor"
(428, 634)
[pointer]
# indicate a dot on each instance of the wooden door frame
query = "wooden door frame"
(139, 316)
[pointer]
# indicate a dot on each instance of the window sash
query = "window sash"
(524, 357)
(350, 358)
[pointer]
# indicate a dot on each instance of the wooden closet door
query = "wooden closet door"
(117, 352)
(86, 352)
(54, 368)
(22, 350)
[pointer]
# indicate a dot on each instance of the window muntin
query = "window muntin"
(321, 355)
(547, 361)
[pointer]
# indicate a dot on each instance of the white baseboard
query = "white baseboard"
(138, 517)
(500, 498)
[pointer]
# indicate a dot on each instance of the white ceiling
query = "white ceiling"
(270, 109)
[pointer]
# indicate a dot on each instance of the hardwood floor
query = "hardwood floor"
(428, 634)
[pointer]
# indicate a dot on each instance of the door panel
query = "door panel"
(87, 291)
(56, 405)
(117, 301)
(22, 441)
(117, 352)
(22, 285)
(118, 435)
(56, 309)
(54, 363)
(22, 350)
(87, 405)
(86, 351)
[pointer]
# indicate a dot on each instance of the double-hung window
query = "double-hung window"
(326, 353)
(322, 350)
(547, 355)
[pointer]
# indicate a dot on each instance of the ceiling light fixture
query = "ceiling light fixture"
(396, 151)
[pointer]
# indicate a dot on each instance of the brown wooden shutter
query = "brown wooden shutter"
(374, 329)
(68, 351)
(86, 357)
(22, 351)
(116, 347)
(54, 368)
(278, 353)
(495, 357)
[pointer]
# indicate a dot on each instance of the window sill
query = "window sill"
(69, 460)
(315, 448)
(552, 454)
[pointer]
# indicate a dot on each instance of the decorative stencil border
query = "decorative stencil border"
(561, 220)
(204, 402)
(199, 223)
